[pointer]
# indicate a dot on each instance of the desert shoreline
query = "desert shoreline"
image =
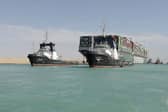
(14, 61)
(26, 61)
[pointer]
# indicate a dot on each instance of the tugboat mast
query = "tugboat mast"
(46, 37)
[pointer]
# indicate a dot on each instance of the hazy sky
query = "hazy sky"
(23, 22)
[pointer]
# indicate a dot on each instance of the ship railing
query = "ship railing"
(101, 46)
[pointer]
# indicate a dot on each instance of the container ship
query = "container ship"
(47, 56)
(111, 51)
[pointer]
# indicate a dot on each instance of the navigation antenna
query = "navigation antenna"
(46, 37)
(33, 47)
(103, 29)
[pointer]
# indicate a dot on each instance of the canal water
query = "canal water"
(138, 88)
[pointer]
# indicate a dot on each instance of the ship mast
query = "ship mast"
(103, 30)
(33, 47)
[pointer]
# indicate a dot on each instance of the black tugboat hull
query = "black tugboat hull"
(44, 61)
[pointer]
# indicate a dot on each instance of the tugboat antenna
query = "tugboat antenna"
(46, 37)
(33, 46)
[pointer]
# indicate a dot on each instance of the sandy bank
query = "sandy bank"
(14, 61)
(26, 61)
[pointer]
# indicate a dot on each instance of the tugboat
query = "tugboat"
(46, 56)
(158, 61)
